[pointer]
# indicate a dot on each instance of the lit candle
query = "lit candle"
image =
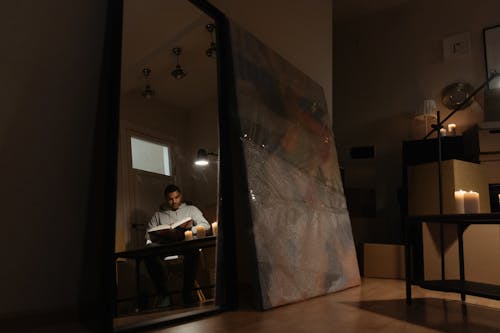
(442, 131)
(215, 226)
(477, 207)
(471, 202)
(200, 231)
(459, 202)
(452, 129)
(188, 235)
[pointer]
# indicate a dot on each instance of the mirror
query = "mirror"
(168, 112)
(492, 53)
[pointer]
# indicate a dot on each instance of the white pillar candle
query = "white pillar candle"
(442, 131)
(471, 202)
(188, 235)
(452, 129)
(459, 202)
(200, 231)
(477, 207)
(215, 226)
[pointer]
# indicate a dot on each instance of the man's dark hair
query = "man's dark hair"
(171, 189)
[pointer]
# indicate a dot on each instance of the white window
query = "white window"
(149, 156)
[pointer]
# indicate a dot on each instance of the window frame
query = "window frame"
(155, 141)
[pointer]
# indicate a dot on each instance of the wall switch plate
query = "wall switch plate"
(457, 46)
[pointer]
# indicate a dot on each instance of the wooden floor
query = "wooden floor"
(133, 320)
(378, 305)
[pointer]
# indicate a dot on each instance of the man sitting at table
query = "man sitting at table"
(177, 210)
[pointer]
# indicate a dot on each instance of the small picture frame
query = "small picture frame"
(491, 38)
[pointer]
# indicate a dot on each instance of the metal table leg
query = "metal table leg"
(408, 263)
(460, 232)
(138, 282)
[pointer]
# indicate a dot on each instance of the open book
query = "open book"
(167, 232)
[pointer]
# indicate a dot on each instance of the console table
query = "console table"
(414, 263)
(173, 248)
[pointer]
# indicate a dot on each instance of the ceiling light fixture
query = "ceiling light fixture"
(148, 92)
(179, 72)
(211, 51)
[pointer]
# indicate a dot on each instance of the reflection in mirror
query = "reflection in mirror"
(491, 36)
(168, 112)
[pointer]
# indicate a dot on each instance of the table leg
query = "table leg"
(138, 282)
(115, 289)
(442, 251)
(408, 263)
(460, 232)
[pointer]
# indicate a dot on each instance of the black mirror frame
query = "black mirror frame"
(230, 156)
(487, 62)
(97, 299)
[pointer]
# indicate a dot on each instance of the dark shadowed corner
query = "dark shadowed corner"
(96, 289)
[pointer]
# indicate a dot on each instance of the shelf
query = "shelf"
(471, 288)
(426, 151)
(481, 218)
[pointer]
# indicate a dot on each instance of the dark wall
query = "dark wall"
(51, 66)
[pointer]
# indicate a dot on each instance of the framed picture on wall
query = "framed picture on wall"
(492, 53)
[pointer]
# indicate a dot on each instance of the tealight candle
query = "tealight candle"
(471, 202)
(452, 129)
(200, 231)
(442, 131)
(459, 202)
(215, 226)
(188, 235)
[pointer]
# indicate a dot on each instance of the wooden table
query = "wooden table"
(414, 261)
(168, 249)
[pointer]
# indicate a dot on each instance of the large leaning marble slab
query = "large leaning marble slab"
(300, 224)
